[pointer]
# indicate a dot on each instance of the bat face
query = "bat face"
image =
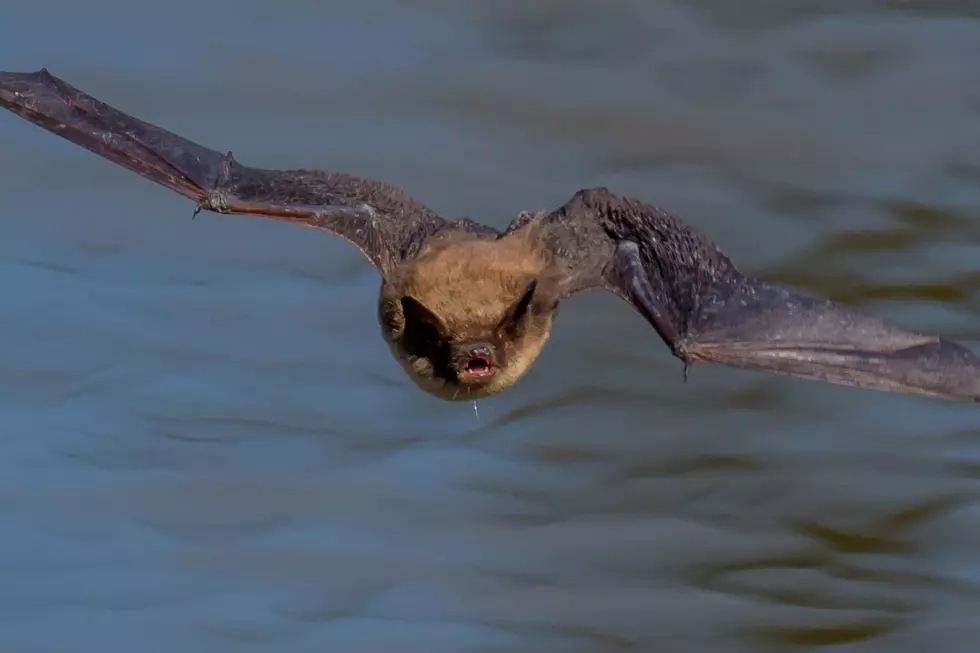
(468, 317)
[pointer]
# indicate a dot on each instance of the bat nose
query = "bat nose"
(476, 360)
(481, 351)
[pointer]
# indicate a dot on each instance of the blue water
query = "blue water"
(205, 445)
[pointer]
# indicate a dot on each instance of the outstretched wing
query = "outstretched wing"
(385, 223)
(707, 311)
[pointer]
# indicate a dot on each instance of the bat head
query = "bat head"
(468, 320)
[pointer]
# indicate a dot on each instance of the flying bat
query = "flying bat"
(466, 309)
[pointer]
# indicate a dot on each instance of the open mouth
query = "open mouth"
(478, 367)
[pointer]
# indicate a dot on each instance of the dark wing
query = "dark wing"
(707, 311)
(384, 222)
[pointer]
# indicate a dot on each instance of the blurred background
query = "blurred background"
(205, 445)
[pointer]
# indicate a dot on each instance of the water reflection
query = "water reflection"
(206, 446)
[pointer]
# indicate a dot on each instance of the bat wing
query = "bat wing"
(705, 310)
(385, 223)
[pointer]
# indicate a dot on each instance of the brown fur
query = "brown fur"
(464, 274)
(469, 282)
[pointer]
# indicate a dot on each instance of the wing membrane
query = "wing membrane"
(385, 223)
(707, 311)
(766, 327)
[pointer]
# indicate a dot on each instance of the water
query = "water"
(205, 446)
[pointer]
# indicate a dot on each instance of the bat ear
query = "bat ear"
(515, 313)
(416, 312)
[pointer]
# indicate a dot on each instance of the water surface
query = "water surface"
(205, 446)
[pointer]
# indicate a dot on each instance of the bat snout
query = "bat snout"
(475, 363)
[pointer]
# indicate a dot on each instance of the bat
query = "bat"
(466, 309)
